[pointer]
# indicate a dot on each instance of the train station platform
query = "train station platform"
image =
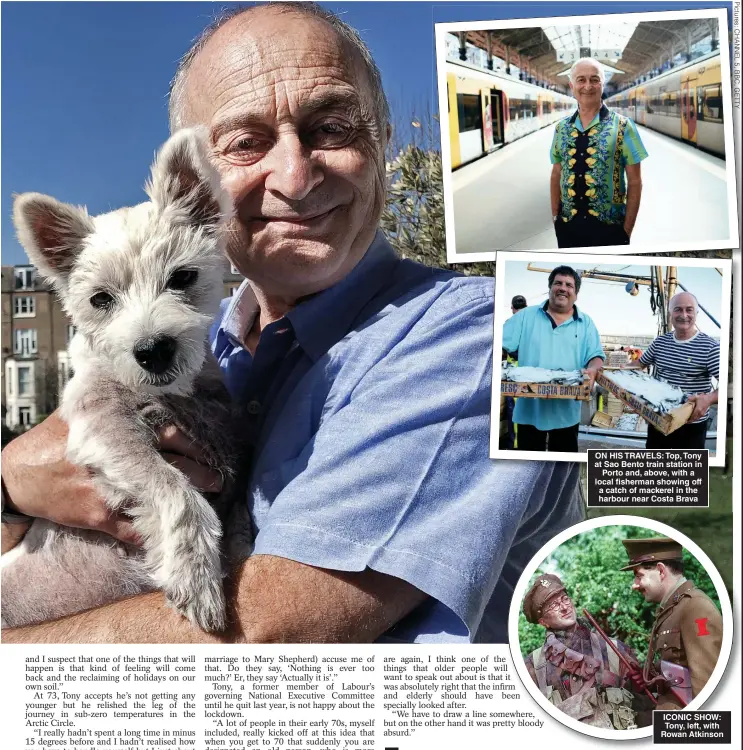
(502, 201)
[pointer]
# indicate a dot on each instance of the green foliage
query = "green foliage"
(588, 565)
(413, 217)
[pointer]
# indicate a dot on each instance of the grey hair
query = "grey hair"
(346, 34)
(602, 72)
(678, 294)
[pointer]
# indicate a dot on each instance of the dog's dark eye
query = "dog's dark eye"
(182, 279)
(102, 300)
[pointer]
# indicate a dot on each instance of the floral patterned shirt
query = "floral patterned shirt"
(593, 163)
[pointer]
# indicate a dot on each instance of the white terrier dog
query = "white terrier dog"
(141, 285)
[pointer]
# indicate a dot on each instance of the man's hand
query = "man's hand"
(591, 372)
(635, 676)
(41, 482)
(184, 454)
(702, 402)
(634, 193)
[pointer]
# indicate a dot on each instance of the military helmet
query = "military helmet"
(542, 590)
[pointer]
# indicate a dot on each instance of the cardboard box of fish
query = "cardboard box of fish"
(657, 402)
(540, 382)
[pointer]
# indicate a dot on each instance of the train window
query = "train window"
(547, 108)
(712, 104)
(470, 113)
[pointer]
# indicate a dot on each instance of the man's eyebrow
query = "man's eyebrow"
(233, 122)
(347, 100)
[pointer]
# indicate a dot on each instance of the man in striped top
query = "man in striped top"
(689, 359)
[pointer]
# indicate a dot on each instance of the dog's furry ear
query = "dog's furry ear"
(51, 232)
(184, 179)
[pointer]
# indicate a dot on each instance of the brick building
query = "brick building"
(35, 330)
(35, 336)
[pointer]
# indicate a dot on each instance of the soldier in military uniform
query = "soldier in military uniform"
(686, 638)
(574, 668)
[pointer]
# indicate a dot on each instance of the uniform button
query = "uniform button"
(254, 407)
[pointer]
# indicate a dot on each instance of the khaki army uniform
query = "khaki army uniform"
(576, 670)
(688, 632)
(687, 629)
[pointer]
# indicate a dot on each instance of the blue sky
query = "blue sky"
(84, 84)
(613, 310)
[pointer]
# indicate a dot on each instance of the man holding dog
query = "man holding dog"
(365, 378)
(554, 335)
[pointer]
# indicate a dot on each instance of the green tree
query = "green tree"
(413, 217)
(589, 566)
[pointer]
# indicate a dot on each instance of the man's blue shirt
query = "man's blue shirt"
(542, 343)
(368, 408)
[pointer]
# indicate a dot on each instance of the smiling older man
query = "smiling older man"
(688, 358)
(365, 378)
(592, 150)
(575, 669)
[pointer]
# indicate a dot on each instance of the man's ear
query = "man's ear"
(51, 232)
(183, 180)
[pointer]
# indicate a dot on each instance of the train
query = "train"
(488, 109)
(684, 102)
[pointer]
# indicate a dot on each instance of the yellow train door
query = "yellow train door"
(689, 107)
(451, 93)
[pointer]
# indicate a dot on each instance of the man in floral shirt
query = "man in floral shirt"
(593, 204)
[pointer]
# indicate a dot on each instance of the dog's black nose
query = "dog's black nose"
(155, 354)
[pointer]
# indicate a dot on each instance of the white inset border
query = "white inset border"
(442, 29)
(590, 261)
(523, 585)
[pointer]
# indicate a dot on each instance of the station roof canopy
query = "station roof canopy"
(641, 47)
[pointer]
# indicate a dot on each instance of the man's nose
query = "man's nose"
(291, 169)
(635, 585)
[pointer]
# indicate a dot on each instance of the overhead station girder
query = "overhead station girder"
(650, 46)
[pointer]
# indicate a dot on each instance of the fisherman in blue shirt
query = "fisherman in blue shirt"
(555, 335)
(364, 378)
